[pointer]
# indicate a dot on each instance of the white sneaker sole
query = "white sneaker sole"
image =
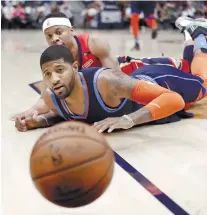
(182, 22)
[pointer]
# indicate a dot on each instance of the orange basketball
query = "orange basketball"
(71, 164)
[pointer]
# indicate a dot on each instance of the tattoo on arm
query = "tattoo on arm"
(122, 84)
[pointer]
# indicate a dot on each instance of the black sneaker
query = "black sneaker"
(136, 47)
(154, 34)
(182, 22)
(195, 30)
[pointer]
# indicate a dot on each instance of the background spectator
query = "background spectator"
(7, 15)
(30, 14)
(67, 10)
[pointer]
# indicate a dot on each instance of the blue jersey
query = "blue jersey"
(147, 7)
(95, 109)
(187, 85)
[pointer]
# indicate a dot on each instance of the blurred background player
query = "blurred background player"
(148, 9)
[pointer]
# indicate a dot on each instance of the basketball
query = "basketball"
(71, 164)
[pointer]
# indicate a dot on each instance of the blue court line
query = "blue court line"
(32, 85)
(149, 186)
(142, 180)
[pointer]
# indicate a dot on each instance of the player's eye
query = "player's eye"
(59, 70)
(59, 32)
(47, 74)
(49, 36)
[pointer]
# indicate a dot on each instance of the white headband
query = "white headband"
(55, 21)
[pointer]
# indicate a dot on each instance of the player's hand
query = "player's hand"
(23, 124)
(112, 123)
(29, 113)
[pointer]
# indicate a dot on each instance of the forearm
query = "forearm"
(40, 106)
(50, 119)
(141, 116)
(165, 105)
(42, 121)
(159, 101)
(161, 107)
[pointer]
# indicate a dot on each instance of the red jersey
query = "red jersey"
(86, 58)
(127, 64)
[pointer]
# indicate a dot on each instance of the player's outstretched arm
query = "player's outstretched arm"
(102, 50)
(39, 108)
(40, 121)
(50, 118)
(159, 102)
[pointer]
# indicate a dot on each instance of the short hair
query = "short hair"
(56, 52)
(55, 14)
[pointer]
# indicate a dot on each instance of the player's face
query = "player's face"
(59, 76)
(59, 35)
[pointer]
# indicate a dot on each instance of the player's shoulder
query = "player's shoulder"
(96, 38)
(104, 78)
(114, 82)
(106, 74)
(83, 35)
(109, 78)
(98, 45)
(83, 38)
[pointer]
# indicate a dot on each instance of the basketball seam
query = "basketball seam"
(89, 190)
(79, 164)
(79, 136)
(55, 131)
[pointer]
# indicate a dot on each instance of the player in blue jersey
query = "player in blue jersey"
(110, 100)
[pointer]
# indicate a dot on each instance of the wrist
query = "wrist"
(141, 116)
(43, 122)
(129, 119)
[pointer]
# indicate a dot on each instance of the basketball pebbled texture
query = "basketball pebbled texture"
(71, 164)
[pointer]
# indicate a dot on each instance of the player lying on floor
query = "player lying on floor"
(92, 51)
(111, 100)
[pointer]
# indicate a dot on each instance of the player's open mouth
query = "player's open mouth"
(59, 43)
(58, 87)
